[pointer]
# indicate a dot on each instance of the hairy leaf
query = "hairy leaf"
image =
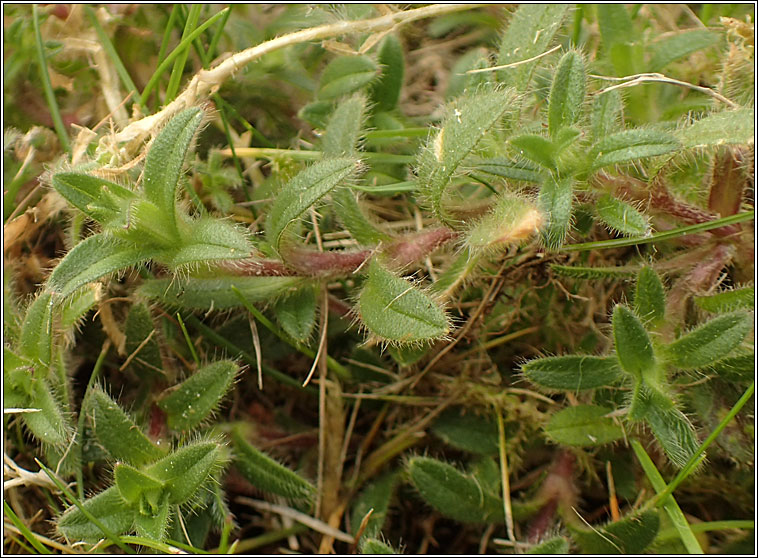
(346, 74)
(556, 545)
(189, 403)
(710, 342)
(555, 202)
(50, 425)
(108, 507)
(572, 372)
(385, 91)
(375, 496)
(630, 145)
(185, 470)
(725, 301)
(397, 311)
(631, 535)
(729, 127)
(621, 217)
(580, 272)
(37, 330)
(505, 168)
(607, 113)
(633, 347)
(681, 44)
(133, 483)
(469, 432)
(512, 220)
(583, 425)
(649, 297)
(297, 313)
(95, 197)
(537, 149)
(567, 92)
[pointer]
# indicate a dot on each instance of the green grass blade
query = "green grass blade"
(47, 86)
(180, 48)
(666, 235)
(110, 50)
(187, 339)
(25, 531)
(217, 35)
(699, 455)
(181, 59)
(669, 504)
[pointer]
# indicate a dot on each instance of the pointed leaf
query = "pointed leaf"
(375, 496)
(189, 403)
(727, 300)
(621, 217)
(386, 90)
(140, 326)
(184, 471)
(556, 545)
(710, 342)
(631, 535)
(50, 425)
(580, 272)
(537, 149)
(607, 114)
(268, 475)
(345, 127)
(297, 313)
(117, 433)
(467, 119)
(92, 259)
(633, 347)
(649, 297)
(679, 45)
(467, 432)
(77, 306)
(375, 546)
(567, 92)
(217, 294)
(346, 74)
(397, 311)
(165, 159)
(37, 329)
(452, 493)
(583, 425)
(154, 524)
(308, 187)
(555, 202)
(108, 507)
(729, 127)
(95, 197)
(630, 145)
(530, 32)
(572, 372)
(505, 168)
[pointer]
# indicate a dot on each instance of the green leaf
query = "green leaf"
(268, 475)
(529, 34)
(555, 200)
(537, 149)
(50, 425)
(153, 524)
(346, 74)
(305, 189)
(132, 483)
(189, 403)
(649, 297)
(467, 119)
(572, 372)
(581, 272)
(670, 426)
(710, 342)
(184, 471)
(397, 311)
(17, 374)
(729, 127)
(607, 114)
(556, 545)
(681, 44)
(345, 127)
(567, 92)
(375, 496)
(385, 91)
(452, 493)
(140, 326)
(505, 168)
(95, 197)
(621, 217)
(37, 329)
(297, 313)
(727, 300)
(316, 113)
(630, 145)
(216, 294)
(583, 425)
(633, 347)
(116, 432)
(108, 507)
(736, 368)
(164, 162)
(469, 432)
(94, 258)
(631, 535)
(209, 240)
(74, 309)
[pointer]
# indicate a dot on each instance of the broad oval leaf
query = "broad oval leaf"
(633, 347)
(397, 311)
(567, 92)
(468, 432)
(118, 433)
(621, 217)
(385, 91)
(165, 159)
(268, 475)
(583, 425)
(346, 74)
(216, 294)
(297, 313)
(631, 535)
(452, 493)
(710, 342)
(630, 145)
(375, 496)
(132, 483)
(108, 507)
(189, 403)
(572, 372)
(308, 187)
